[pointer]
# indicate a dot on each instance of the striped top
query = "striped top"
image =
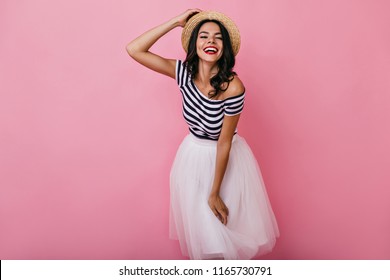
(204, 116)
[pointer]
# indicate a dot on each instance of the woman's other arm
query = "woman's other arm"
(223, 150)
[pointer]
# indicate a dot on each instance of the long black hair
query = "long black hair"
(225, 63)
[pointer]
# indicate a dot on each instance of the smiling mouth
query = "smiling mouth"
(210, 50)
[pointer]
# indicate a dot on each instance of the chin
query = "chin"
(208, 58)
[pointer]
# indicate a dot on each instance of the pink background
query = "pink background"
(87, 136)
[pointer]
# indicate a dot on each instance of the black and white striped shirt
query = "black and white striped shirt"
(204, 116)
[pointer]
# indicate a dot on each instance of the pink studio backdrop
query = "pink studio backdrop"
(87, 136)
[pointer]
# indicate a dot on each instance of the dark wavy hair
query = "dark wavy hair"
(225, 63)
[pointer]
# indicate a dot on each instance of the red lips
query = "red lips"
(210, 50)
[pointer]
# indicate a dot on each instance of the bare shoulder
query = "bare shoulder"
(236, 87)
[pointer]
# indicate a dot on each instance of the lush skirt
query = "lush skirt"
(251, 229)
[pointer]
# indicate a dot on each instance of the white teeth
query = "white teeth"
(210, 49)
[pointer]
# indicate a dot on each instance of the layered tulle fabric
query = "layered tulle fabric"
(251, 229)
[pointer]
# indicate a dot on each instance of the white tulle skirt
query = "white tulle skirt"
(251, 229)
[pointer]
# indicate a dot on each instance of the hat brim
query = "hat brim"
(230, 26)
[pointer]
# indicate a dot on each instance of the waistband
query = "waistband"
(207, 142)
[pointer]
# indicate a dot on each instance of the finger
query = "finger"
(218, 215)
(192, 12)
(196, 10)
(222, 213)
(215, 212)
(223, 209)
(224, 218)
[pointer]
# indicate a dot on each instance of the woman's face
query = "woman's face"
(209, 43)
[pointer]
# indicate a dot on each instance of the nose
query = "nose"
(211, 40)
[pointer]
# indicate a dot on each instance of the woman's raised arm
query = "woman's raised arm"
(138, 49)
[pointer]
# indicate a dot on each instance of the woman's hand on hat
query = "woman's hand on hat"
(219, 208)
(184, 17)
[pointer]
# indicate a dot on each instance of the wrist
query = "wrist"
(214, 193)
(174, 22)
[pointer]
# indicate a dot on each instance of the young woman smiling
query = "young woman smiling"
(219, 204)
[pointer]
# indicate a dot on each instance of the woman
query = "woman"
(219, 205)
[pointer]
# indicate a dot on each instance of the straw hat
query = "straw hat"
(230, 26)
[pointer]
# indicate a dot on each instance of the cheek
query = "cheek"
(199, 45)
(200, 41)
